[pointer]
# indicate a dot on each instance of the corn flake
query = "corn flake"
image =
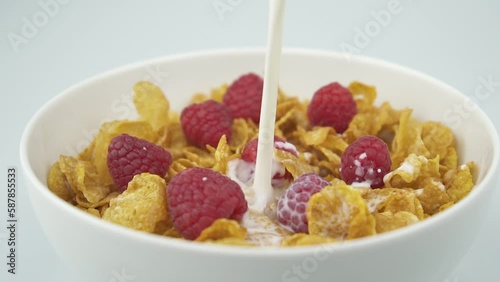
(57, 183)
(151, 104)
(446, 206)
(325, 137)
(290, 114)
(378, 121)
(294, 165)
(243, 130)
(86, 154)
(339, 212)
(393, 200)
(387, 221)
(408, 139)
(222, 228)
(179, 165)
(67, 165)
(286, 105)
(173, 139)
(199, 156)
(221, 155)
(217, 94)
(83, 176)
(333, 160)
(302, 239)
(142, 205)
(363, 94)
(450, 161)
(104, 207)
(88, 183)
(433, 195)
(198, 98)
(166, 228)
(285, 124)
(94, 212)
(84, 203)
(437, 138)
(172, 232)
(412, 172)
(459, 182)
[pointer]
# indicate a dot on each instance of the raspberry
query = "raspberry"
(332, 105)
(243, 98)
(205, 123)
(199, 196)
(292, 205)
(366, 160)
(249, 154)
(129, 155)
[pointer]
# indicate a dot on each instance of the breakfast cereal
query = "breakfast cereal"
(425, 177)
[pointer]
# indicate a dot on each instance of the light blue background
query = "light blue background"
(454, 41)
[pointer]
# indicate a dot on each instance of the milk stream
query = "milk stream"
(255, 180)
(262, 183)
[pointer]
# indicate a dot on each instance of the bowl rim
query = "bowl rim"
(197, 247)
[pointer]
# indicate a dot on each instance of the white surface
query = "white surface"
(455, 41)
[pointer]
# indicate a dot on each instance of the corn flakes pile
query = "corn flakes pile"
(425, 178)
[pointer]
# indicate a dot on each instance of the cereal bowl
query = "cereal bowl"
(95, 250)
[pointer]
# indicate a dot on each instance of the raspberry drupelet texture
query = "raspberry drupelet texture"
(332, 105)
(205, 123)
(291, 211)
(243, 98)
(365, 162)
(199, 196)
(129, 155)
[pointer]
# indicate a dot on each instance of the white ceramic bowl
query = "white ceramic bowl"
(99, 251)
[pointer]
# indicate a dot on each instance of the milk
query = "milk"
(262, 228)
(255, 180)
(263, 190)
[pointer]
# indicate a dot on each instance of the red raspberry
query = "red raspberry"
(199, 196)
(249, 153)
(332, 105)
(366, 160)
(243, 98)
(205, 123)
(129, 155)
(292, 205)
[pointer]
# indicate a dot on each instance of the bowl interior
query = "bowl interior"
(68, 123)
